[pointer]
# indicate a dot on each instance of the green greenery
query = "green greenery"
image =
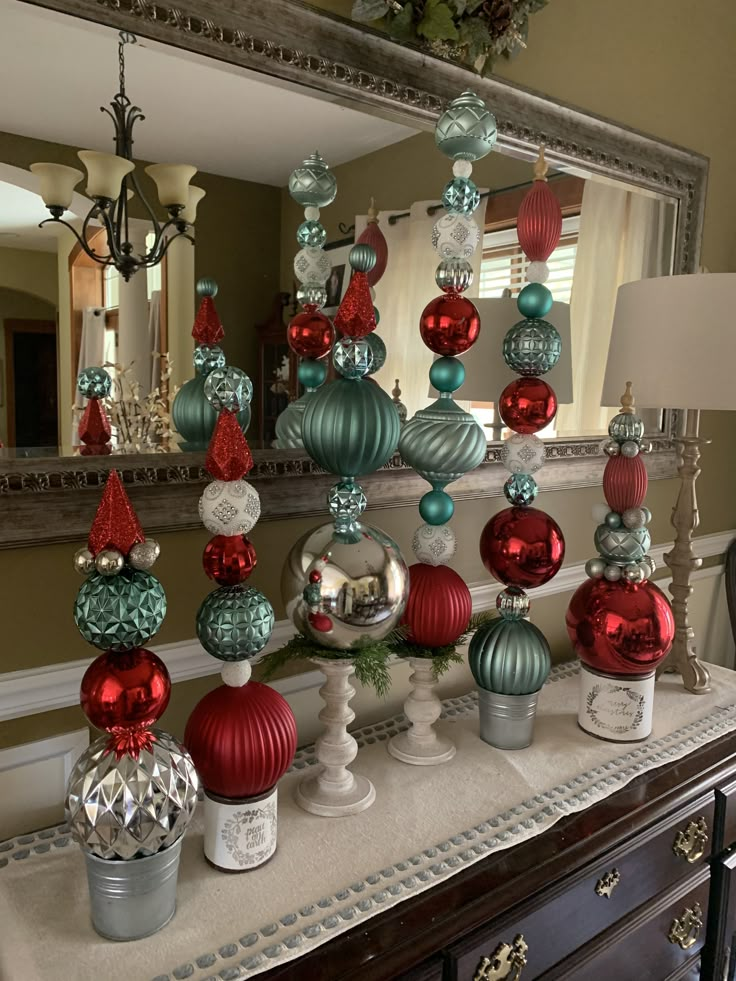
(444, 657)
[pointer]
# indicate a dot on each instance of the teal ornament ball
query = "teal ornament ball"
(311, 374)
(466, 130)
(94, 383)
(622, 546)
(311, 235)
(626, 427)
(378, 350)
(461, 196)
(289, 423)
(352, 357)
(362, 257)
(194, 418)
(313, 185)
(447, 374)
(532, 347)
(234, 623)
(442, 442)
(534, 301)
(206, 287)
(208, 357)
(436, 507)
(351, 427)
(119, 612)
(509, 657)
(520, 489)
(228, 388)
(377, 315)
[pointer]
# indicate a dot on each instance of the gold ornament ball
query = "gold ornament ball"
(143, 555)
(84, 561)
(108, 562)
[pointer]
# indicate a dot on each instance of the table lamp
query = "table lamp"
(672, 338)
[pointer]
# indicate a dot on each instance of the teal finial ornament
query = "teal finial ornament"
(362, 258)
(509, 657)
(206, 287)
(442, 442)
(466, 130)
(313, 185)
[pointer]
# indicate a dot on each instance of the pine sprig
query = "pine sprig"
(370, 659)
(444, 657)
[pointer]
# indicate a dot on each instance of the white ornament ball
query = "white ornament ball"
(311, 214)
(630, 448)
(312, 265)
(634, 518)
(599, 512)
(434, 544)
(229, 507)
(595, 568)
(537, 272)
(612, 573)
(523, 454)
(462, 168)
(455, 236)
(235, 674)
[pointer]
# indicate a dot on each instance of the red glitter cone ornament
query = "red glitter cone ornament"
(439, 606)
(228, 454)
(207, 328)
(356, 316)
(94, 426)
(116, 525)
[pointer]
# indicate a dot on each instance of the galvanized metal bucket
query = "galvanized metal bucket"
(133, 899)
(507, 721)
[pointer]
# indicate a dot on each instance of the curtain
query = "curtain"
(154, 338)
(92, 353)
(624, 236)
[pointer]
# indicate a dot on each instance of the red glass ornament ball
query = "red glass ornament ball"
(123, 691)
(522, 547)
(620, 627)
(527, 405)
(311, 334)
(242, 740)
(439, 605)
(315, 576)
(229, 559)
(450, 325)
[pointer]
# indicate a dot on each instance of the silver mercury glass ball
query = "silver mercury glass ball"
(610, 448)
(109, 562)
(84, 561)
(634, 518)
(613, 519)
(612, 573)
(312, 294)
(632, 573)
(630, 449)
(595, 568)
(363, 587)
(454, 275)
(143, 555)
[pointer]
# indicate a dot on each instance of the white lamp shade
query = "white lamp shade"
(172, 182)
(57, 183)
(486, 372)
(189, 214)
(105, 172)
(673, 337)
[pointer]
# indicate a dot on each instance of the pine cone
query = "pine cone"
(499, 14)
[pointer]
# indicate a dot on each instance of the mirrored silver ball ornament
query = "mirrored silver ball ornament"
(626, 426)
(313, 294)
(109, 562)
(126, 808)
(454, 275)
(143, 555)
(611, 447)
(513, 603)
(595, 568)
(352, 357)
(612, 573)
(364, 584)
(228, 388)
(630, 449)
(632, 573)
(84, 561)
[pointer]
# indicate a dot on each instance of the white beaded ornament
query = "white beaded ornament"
(312, 265)
(229, 507)
(434, 544)
(462, 168)
(537, 272)
(455, 237)
(523, 454)
(235, 674)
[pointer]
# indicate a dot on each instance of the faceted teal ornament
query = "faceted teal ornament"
(234, 623)
(436, 507)
(622, 546)
(534, 301)
(94, 383)
(352, 357)
(442, 442)
(311, 234)
(206, 287)
(447, 374)
(454, 275)
(312, 374)
(346, 501)
(466, 130)
(351, 427)
(313, 294)
(378, 350)
(509, 657)
(520, 489)
(532, 347)
(513, 603)
(208, 357)
(228, 388)
(362, 257)
(120, 612)
(461, 196)
(313, 185)
(626, 427)
(194, 418)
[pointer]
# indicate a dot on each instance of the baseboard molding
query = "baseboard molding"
(56, 686)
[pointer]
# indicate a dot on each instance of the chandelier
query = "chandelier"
(112, 183)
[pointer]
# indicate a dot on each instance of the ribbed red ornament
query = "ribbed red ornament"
(625, 482)
(310, 334)
(116, 524)
(527, 405)
(207, 328)
(522, 546)
(229, 559)
(539, 224)
(439, 605)
(373, 236)
(228, 454)
(242, 740)
(124, 691)
(355, 316)
(94, 426)
(450, 324)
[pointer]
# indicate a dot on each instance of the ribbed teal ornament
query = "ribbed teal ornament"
(509, 657)
(466, 130)
(234, 622)
(206, 287)
(378, 350)
(289, 423)
(351, 427)
(313, 185)
(534, 301)
(119, 612)
(442, 442)
(623, 546)
(532, 347)
(436, 507)
(626, 426)
(194, 418)
(447, 374)
(362, 257)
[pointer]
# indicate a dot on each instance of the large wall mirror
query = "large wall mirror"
(244, 100)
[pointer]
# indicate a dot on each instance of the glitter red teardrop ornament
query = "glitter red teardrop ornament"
(310, 334)
(229, 559)
(373, 236)
(228, 454)
(116, 524)
(355, 316)
(94, 426)
(450, 324)
(207, 328)
(527, 405)
(439, 605)
(539, 224)
(625, 482)
(522, 546)
(124, 691)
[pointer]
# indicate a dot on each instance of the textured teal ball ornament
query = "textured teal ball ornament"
(509, 657)
(362, 258)
(94, 383)
(436, 507)
(461, 196)
(119, 612)
(466, 130)
(312, 374)
(534, 301)
(520, 489)
(351, 427)
(352, 357)
(442, 442)
(622, 546)
(311, 235)
(626, 427)
(228, 388)
(194, 418)
(532, 347)
(234, 623)
(378, 350)
(207, 357)
(206, 287)
(447, 374)
(313, 185)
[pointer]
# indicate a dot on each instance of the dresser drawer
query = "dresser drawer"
(718, 957)
(430, 970)
(725, 819)
(568, 915)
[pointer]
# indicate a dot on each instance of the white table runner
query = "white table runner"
(330, 874)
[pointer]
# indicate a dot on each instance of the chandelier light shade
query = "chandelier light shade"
(112, 182)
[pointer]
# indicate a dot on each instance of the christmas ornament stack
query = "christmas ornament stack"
(373, 237)
(132, 793)
(193, 415)
(242, 735)
(521, 546)
(621, 625)
(94, 426)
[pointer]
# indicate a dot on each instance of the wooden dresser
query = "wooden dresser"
(640, 887)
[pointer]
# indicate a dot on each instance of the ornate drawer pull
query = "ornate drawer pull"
(505, 963)
(685, 929)
(690, 843)
(607, 883)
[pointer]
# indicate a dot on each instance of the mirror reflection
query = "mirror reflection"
(61, 311)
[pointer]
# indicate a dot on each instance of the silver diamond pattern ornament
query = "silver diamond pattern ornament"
(353, 356)
(228, 388)
(229, 507)
(128, 807)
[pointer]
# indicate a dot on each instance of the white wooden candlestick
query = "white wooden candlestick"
(334, 791)
(421, 744)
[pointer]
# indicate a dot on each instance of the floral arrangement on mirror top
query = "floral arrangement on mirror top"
(476, 32)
